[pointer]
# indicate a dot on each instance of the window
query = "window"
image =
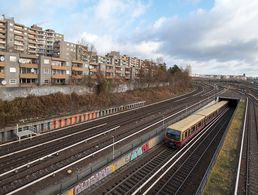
(13, 58)
(12, 69)
(46, 71)
(67, 72)
(193, 129)
(12, 81)
(173, 134)
(46, 81)
(46, 61)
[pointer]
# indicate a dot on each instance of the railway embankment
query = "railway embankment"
(222, 177)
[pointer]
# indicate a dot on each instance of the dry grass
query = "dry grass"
(60, 104)
(222, 177)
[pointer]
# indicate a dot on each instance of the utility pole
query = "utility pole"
(113, 147)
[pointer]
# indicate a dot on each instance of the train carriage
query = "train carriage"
(182, 131)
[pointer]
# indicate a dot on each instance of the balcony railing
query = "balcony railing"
(58, 76)
(2, 75)
(29, 65)
(28, 76)
(56, 67)
(79, 69)
(2, 64)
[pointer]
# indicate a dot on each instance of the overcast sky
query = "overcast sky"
(215, 37)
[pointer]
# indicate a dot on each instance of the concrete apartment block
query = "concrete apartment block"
(11, 70)
(3, 63)
(43, 58)
(61, 71)
(45, 70)
(79, 71)
(65, 50)
(29, 70)
(82, 53)
(32, 40)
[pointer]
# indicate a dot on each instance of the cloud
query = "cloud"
(221, 40)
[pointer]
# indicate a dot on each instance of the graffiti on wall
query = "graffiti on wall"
(114, 166)
(92, 180)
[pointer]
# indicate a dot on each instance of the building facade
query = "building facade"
(31, 56)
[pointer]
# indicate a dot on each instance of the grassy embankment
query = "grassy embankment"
(222, 177)
(34, 108)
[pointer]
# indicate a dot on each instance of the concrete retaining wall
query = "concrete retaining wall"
(9, 94)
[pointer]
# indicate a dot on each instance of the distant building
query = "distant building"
(31, 56)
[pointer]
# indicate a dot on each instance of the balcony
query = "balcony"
(2, 64)
(1, 41)
(18, 38)
(19, 33)
(19, 49)
(79, 69)
(18, 28)
(2, 36)
(56, 67)
(18, 43)
(28, 76)
(2, 75)
(32, 32)
(58, 76)
(2, 30)
(29, 65)
(93, 70)
(109, 70)
(109, 77)
(2, 46)
(2, 24)
(32, 41)
(118, 71)
(32, 46)
(77, 76)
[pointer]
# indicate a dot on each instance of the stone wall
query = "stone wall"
(11, 93)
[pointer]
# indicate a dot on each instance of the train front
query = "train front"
(172, 138)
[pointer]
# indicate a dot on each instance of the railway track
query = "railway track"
(57, 164)
(247, 179)
(14, 146)
(54, 146)
(23, 177)
(172, 174)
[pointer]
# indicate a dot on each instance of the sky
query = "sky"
(213, 36)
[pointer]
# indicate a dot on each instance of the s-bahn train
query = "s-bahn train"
(182, 131)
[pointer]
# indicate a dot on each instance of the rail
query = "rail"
(102, 149)
(241, 150)
(191, 143)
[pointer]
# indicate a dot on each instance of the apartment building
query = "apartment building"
(82, 53)
(34, 56)
(65, 50)
(15, 37)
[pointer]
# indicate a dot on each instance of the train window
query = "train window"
(173, 134)
(187, 132)
(193, 129)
